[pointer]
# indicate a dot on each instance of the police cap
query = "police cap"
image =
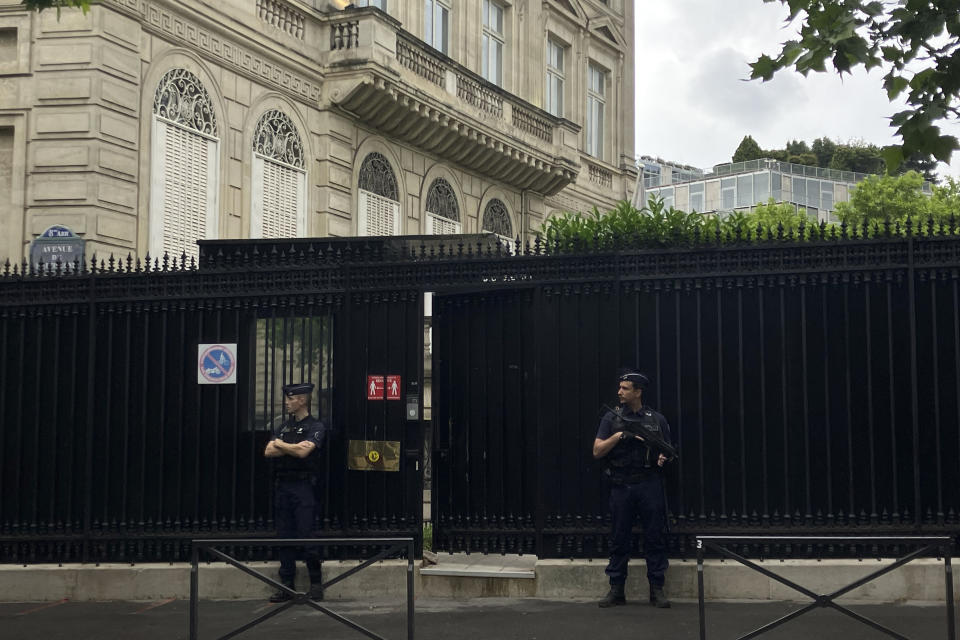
(637, 378)
(298, 389)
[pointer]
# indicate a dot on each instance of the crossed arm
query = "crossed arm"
(277, 447)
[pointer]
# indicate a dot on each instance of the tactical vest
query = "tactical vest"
(630, 460)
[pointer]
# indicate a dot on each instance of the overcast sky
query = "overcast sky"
(693, 105)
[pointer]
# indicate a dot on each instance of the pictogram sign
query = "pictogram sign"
(393, 387)
(217, 363)
(375, 387)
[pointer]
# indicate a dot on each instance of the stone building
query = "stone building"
(144, 125)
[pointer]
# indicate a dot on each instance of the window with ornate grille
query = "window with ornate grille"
(378, 206)
(184, 166)
(443, 213)
(496, 220)
(278, 206)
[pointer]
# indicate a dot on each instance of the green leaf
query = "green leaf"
(893, 156)
(895, 86)
(873, 9)
(891, 54)
(942, 147)
(763, 68)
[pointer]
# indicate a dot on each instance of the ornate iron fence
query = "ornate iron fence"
(812, 384)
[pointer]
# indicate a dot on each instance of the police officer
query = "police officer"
(636, 475)
(295, 447)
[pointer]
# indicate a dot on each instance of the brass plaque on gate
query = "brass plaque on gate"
(373, 455)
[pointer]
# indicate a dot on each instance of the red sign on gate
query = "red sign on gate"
(375, 387)
(393, 387)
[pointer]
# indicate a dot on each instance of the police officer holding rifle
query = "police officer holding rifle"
(634, 443)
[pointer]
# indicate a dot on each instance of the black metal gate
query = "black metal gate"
(110, 450)
(809, 389)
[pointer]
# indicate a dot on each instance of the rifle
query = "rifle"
(636, 427)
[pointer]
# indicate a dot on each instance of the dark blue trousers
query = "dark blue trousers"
(295, 504)
(644, 498)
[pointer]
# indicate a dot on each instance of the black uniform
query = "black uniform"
(294, 498)
(637, 488)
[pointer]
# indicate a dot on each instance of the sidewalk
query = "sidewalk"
(477, 619)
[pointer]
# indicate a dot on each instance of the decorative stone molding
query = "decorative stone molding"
(600, 176)
(159, 20)
(527, 121)
(416, 60)
(282, 16)
(344, 35)
(479, 96)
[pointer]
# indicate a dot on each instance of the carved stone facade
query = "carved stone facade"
(315, 89)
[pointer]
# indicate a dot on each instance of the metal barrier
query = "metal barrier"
(395, 544)
(941, 544)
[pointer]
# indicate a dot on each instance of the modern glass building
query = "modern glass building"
(739, 186)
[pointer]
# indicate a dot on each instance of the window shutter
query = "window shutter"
(438, 225)
(278, 200)
(184, 190)
(377, 216)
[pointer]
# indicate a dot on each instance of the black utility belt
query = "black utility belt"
(295, 475)
(636, 478)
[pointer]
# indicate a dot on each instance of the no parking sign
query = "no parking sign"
(217, 363)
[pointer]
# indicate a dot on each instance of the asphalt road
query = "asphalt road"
(487, 618)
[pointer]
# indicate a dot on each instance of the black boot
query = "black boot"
(316, 591)
(614, 597)
(658, 598)
(281, 595)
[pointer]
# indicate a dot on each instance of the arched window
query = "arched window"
(497, 220)
(184, 166)
(443, 213)
(278, 207)
(378, 200)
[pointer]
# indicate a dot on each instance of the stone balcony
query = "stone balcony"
(400, 86)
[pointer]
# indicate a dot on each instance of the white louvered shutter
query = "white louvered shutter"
(438, 225)
(377, 216)
(279, 200)
(183, 190)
